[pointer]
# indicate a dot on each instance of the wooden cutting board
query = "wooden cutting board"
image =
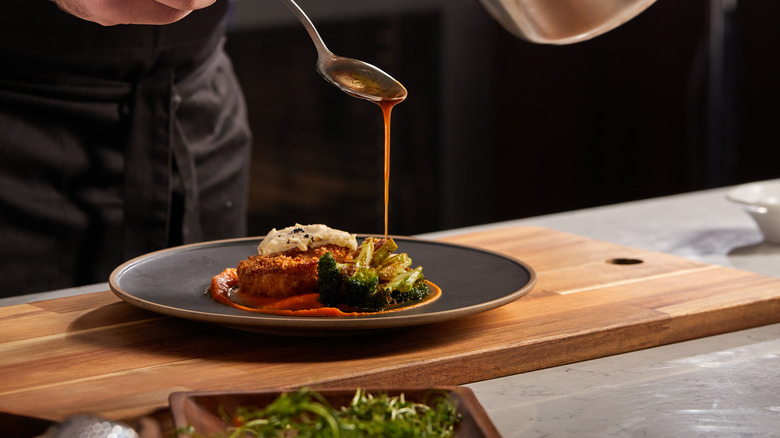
(95, 353)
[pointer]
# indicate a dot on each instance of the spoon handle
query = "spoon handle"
(315, 36)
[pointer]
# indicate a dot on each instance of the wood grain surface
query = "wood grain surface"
(95, 353)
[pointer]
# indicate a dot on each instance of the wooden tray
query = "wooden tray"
(97, 354)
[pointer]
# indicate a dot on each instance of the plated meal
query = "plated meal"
(315, 270)
(174, 282)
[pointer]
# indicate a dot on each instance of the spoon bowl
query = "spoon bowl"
(356, 78)
(360, 79)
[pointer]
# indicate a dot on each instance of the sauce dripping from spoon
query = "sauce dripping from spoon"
(358, 79)
(376, 86)
(387, 107)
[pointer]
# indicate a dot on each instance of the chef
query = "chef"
(123, 130)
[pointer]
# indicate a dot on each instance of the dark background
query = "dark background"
(497, 128)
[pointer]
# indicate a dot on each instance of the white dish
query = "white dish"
(762, 201)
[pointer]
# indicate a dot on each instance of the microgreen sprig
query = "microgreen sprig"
(305, 413)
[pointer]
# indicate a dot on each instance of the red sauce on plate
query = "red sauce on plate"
(225, 290)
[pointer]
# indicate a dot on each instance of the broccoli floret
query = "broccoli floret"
(354, 285)
(366, 295)
(418, 291)
(331, 280)
(409, 285)
(360, 287)
(373, 281)
(392, 266)
(404, 281)
(366, 255)
(361, 282)
(383, 252)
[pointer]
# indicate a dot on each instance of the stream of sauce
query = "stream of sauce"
(366, 84)
(387, 108)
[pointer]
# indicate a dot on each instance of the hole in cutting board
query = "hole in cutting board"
(625, 261)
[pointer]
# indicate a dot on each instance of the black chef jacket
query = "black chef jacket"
(114, 142)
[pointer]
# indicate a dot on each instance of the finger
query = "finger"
(140, 12)
(109, 13)
(186, 5)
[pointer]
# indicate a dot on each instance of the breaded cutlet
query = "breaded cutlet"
(284, 274)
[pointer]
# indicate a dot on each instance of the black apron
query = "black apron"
(114, 142)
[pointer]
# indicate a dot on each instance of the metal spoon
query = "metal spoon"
(356, 78)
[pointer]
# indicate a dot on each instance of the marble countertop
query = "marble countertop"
(721, 386)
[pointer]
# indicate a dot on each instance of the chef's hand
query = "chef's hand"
(111, 12)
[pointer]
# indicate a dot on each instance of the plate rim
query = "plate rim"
(348, 323)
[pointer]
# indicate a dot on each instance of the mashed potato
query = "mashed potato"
(303, 238)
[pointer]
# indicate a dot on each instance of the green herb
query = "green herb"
(385, 416)
(306, 413)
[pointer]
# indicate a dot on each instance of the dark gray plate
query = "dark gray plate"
(173, 282)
